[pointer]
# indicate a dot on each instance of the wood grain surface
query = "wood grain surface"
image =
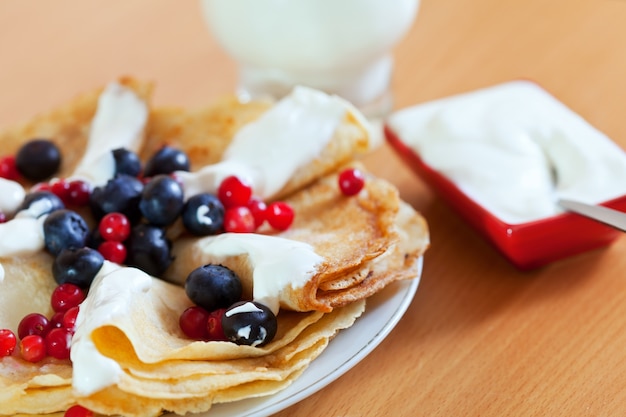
(480, 338)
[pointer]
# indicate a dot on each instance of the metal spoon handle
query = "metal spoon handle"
(611, 217)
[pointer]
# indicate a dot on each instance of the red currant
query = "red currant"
(61, 189)
(351, 181)
(234, 192)
(66, 296)
(42, 186)
(69, 318)
(258, 208)
(58, 342)
(8, 169)
(78, 193)
(114, 226)
(33, 323)
(3, 217)
(8, 341)
(78, 411)
(33, 348)
(280, 215)
(214, 327)
(239, 220)
(56, 320)
(113, 251)
(193, 322)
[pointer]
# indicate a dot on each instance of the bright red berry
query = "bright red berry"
(69, 318)
(58, 342)
(3, 217)
(239, 220)
(61, 189)
(78, 193)
(42, 186)
(214, 327)
(113, 251)
(56, 320)
(114, 226)
(193, 321)
(33, 348)
(8, 169)
(33, 323)
(280, 215)
(258, 208)
(351, 181)
(78, 411)
(234, 192)
(8, 341)
(66, 296)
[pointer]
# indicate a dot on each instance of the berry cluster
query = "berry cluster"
(40, 336)
(219, 314)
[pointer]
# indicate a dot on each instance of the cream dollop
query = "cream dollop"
(119, 122)
(12, 194)
(21, 236)
(515, 149)
(276, 263)
(110, 296)
(267, 152)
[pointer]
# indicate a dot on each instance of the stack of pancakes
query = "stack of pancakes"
(366, 242)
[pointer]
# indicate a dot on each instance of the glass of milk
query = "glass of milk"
(338, 46)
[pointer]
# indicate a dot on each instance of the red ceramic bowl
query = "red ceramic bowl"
(526, 245)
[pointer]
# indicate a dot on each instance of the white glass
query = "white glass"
(338, 46)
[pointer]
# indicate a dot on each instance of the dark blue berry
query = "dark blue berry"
(165, 161)
(161, 200)
(126, 162)
(38, 159)
(148, 249)
(120, 194)
(249, 323)
(213, 286)
(64, 229)
(39, 203)
(77, 266)
(203, 214)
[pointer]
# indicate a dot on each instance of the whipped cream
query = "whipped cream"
(119, 122)
(21, 236)
(12, 196)
(267, 151)
(276, 263)
(515, 150)
(110, 296)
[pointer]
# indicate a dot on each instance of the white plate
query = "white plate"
(348, 348)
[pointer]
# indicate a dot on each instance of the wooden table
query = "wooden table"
(480, 338)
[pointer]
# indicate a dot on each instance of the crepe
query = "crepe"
(364, 243)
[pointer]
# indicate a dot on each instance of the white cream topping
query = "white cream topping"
(515, 149)
(21, 236)
(110, 295)
(11, 196)
(277, 263)
(119, 122)
(268, 151)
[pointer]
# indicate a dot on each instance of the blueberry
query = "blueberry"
(148, 249)
(249, 323)
(38, 159)
(64, 229)
(120, 194)
(126, 162)
(203, 214)
(213, 286)
(165, 161)
(39, 203)
(77, 266)
(161, 200)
